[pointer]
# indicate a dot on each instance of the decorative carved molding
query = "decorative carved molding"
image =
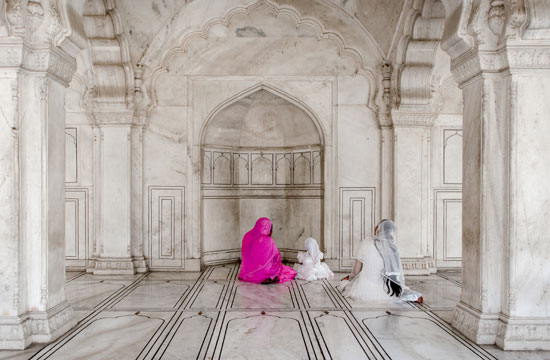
(423, 266)
(321, 34)
(523, 334)
(409, 116)
(478, 327)
(43, 326)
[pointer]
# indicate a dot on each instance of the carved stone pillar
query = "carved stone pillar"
(484, 190)
(503, 66)
(33, 79)
(411, 183)
(118, 183)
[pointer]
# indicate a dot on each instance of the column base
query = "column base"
(119, 266)
(476, 326)
(419, 266)
(18, 332)
(523, 333)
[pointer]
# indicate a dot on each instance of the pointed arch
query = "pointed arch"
(273, 90)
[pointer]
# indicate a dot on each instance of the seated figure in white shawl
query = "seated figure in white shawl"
(310, 267)
(377, 274)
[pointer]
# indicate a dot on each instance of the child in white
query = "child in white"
(311, 267)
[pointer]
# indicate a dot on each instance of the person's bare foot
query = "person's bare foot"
(345, 277)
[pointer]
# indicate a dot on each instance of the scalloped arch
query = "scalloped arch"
(321, 34)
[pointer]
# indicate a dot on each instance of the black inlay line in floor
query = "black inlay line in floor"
(62, 340)
(162, 341)
(362, 343)
(184, 303)
(481, 352)
(226, 325)
(342, 301)
(369, 335)
(137, 307)
(76, 276)
(215, 330)
(310, 335)
(457, 282)
(159, 331)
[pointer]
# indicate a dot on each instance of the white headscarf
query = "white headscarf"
(385, 242)
(312, 249)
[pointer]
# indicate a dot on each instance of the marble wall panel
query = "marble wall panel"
(221, 168)
(358, 146)
(165, 151)
(76, 227)
(240, 169)
(448, 227)
(357, 216)
(166, 227)
(71, 155)
(283, 169)
(452, 156)
(227, 218)
(262, 169)
(302, 168)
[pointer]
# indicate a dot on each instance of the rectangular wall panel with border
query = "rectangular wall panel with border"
(76, 227)
(356, 221)
(448, 228)
(166, 227)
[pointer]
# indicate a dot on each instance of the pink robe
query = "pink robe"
(261, 258)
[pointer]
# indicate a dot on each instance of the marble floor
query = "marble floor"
(211, 315)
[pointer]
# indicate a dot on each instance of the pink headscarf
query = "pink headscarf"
(261, 258)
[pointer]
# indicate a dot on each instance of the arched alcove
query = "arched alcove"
(261, 156)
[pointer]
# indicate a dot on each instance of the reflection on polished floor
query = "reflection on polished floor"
(211, 315)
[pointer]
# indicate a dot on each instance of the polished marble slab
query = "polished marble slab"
(416, 335)
(155, 294)
(212, 315)
(438, 293)
(257, 296)
(92, 293)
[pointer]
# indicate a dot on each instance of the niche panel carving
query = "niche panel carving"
(448, 228)
(262, 169)
(222, 168)
(273, 168)
(302, 168)
(166, 226)
(452, 156)
(240, 169)
(76, 227)
(356, 221)
(283, 169)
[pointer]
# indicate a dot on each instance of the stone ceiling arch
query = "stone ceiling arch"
(273, 90)
(365, 63)
(198, 14)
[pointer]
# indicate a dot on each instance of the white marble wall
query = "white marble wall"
(192, 91)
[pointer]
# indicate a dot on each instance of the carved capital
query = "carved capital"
(15, 52)
(405, 116)
(474, 63)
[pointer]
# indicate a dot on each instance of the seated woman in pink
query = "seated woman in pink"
(261, 259)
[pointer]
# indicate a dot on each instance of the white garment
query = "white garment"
(311, 267)
(368, 285)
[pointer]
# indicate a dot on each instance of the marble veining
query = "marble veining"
(212, 315)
